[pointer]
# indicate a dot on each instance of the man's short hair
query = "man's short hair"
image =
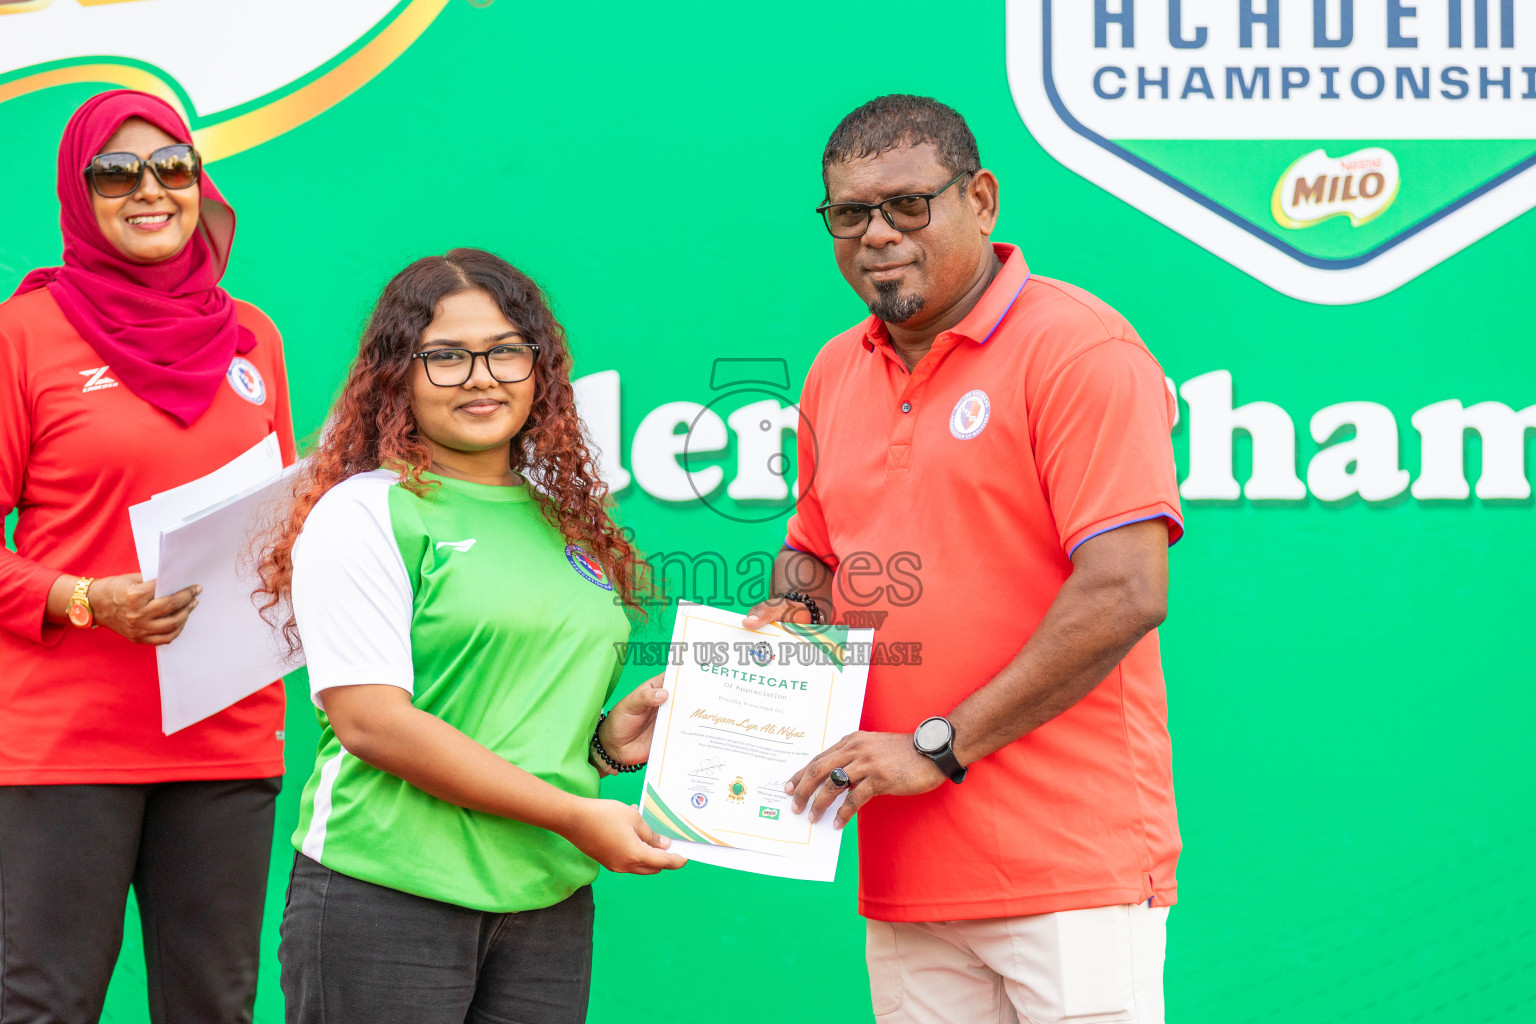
(890, 122)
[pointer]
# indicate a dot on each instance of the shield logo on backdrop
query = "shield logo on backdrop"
(1333, 149)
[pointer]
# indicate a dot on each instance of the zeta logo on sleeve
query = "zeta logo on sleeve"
(460, 546)
(970, 414)
(96, 379)
(588, 567)
(246, 380)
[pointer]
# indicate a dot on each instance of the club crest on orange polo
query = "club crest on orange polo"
(589, 568)
(970, 414)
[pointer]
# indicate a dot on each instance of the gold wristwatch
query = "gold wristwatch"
(79, 608)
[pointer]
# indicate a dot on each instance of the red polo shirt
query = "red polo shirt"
(949, 499)
(76, 449)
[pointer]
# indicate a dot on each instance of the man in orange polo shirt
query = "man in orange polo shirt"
(990, 477)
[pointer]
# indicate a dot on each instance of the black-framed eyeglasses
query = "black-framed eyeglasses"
(452, 367)
(114, 175)
(903, 213)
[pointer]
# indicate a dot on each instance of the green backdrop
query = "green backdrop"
(1349, 683)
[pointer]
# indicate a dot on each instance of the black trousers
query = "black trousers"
(197, 856)
(358, 953)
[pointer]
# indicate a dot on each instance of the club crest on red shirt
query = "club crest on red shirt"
(246, 380)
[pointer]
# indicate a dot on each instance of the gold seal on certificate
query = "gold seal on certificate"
(749, 708)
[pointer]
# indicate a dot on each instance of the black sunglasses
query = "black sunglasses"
(910, 212)
(114, 175)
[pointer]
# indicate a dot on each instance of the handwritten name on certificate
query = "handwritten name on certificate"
(749, 708)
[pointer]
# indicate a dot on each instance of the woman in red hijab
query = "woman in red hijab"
(125, 372)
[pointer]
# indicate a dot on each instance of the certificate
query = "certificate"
(748, 709)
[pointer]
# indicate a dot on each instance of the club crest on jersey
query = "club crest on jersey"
(970, 414)
(246, 380)
(588, 567)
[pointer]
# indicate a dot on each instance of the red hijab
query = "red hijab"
(167, 329)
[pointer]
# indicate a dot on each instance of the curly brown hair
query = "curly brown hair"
(372, 425)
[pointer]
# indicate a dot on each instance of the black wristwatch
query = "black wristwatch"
(935, 740)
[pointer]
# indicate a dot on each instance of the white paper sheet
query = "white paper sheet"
(149, 519)
(227, 651)
(736, 729)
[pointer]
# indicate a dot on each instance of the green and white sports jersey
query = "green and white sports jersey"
(470, 600)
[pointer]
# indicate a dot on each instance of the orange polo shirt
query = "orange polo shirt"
(949, 500)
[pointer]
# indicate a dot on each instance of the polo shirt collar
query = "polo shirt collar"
(981, 322)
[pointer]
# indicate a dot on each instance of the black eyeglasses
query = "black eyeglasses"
(114, 175)
(904, 213)
(452, 367)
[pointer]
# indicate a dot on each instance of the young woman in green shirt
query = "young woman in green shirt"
(460, 592)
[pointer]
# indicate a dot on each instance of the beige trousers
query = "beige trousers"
(1091, 966)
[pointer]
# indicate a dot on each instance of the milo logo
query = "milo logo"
(1359, 186)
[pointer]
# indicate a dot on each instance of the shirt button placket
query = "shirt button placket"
(899, 457)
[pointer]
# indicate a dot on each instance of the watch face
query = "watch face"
(932, 736)
(79, 615)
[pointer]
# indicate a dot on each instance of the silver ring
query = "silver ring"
(839, 779)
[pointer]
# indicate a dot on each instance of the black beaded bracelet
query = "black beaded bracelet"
(597, 745)
(809, 603)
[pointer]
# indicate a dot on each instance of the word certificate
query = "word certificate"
(749, 708)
